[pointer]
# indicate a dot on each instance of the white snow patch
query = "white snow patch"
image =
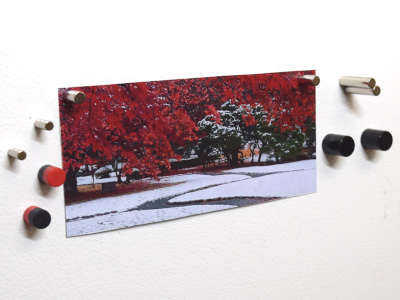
(82, 180)
(280, 185)
(137, 217)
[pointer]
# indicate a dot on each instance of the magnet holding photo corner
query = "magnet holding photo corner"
(76, 97)
(309, 80)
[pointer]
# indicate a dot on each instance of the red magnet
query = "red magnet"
(37, 217)
(51, 175)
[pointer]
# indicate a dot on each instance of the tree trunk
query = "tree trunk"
(259, 156)
(188, 151)
(128, 178)
(92, 177)
(235, 158)
(71, 182)
(118, 173)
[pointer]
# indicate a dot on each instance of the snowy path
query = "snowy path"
(190, 182)
(294, 166)
(137, 217)
(279, 185)
(242, 186)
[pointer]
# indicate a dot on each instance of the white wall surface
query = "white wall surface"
(340, 243)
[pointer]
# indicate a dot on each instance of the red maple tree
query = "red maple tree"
(142, 124)
(119, 121)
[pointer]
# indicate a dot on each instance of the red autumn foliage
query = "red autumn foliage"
(143, 123)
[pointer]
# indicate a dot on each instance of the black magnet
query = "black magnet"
(37, 217)
(376, 139)
(338, 145)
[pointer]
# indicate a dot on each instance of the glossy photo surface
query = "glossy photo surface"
(139, 153)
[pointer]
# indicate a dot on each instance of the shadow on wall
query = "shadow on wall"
(29, 232)
(371, 155)
(349, 101)
(334, 161)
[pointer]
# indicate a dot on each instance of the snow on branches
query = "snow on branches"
(145, 126)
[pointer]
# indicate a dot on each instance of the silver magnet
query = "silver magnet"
(44, 124)
(309, 80)
(76, 97)
(361, 91)
(17, 153)
(357, 82)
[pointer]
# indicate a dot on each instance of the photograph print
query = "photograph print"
(139, 153)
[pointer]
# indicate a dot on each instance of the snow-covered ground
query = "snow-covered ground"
(294, 166)
(136, 217)
(283, 180)
(279, 185)
(89, 180)
(189, 182)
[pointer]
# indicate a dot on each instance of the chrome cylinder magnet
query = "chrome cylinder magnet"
(44, 125)
(360, 82)
(309, 80)
(76, 97)
(17, 153)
